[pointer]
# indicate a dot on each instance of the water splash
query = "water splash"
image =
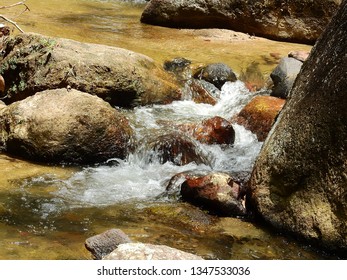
(137, 178)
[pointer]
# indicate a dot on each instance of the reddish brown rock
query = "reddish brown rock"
(299, 55)
(4, 30)
(177, 148)
(260, 114)
(203, 92)
(2, 84)
(216, 192)
(215, 130)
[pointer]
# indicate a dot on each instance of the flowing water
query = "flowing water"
(46, 212)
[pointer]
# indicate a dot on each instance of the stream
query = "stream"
(46, 212)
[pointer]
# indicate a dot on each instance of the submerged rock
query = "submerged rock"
(284, 75)
(64, 126)
(297, 20)
(260, 114)
(142, 251)
(299, 182)
(34, 62)
(103, 244)
(179, 66)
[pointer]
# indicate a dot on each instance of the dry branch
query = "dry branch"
(16, 4)
(21, 3)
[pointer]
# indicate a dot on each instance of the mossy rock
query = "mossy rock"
(34, 63)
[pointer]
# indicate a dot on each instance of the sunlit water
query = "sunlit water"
(46, 212)
(141, 178)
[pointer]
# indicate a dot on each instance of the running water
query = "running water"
(139, 179)
(47, 212)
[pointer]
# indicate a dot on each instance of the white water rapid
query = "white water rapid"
(138, 179)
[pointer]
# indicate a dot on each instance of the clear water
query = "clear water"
(46, 212)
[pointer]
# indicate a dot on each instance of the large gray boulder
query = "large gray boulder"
(284, 75)
(299, 182)
(295, 20)
(64, 126)
(33, 63)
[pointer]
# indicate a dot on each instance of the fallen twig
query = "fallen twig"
(12, 22)
(21, 3)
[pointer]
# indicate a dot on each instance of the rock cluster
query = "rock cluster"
(114, 244)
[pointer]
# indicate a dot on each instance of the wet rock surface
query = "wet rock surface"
(204, 92)
(260, 114)
(215, 130)
(217, 74)
(216, 192)
(298, 184)
(177, 148)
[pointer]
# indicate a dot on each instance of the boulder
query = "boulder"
(299, 181)
(64, 126)
(180, 67)
(260, 114)
(215, 130)
(216, 192)
(35, 63)
(143, 251)
(104, 243)
(253, 77)
(284, 75)
(217, 74)
(296, 20)
(177, 148)
(203, 92)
